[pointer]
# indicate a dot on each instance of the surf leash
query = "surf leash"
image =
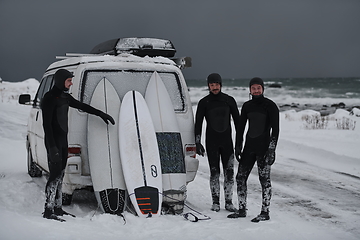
(189, 216)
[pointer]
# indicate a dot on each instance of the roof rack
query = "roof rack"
(141, 47)
(182, 62)
(69, 55)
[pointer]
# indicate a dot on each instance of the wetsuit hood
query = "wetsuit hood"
(60, 76)
(257, 80)
(214, 78)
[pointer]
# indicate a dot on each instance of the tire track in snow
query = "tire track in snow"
(311, 191)
(305, 190)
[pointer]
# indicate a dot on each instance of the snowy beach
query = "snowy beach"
(315, 179)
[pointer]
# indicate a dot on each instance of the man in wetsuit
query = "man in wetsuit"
(217, 108)
(262, 114)
(55, 106)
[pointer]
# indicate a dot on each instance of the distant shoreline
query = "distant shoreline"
(323, 109)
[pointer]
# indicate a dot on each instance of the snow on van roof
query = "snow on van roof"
(133, 58)
(138, 46)
(74, 58)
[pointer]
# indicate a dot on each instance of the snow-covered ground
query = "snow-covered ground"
(316, 188)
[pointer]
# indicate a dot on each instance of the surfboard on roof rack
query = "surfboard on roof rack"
(141, 47)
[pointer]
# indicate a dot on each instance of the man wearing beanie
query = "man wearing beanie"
(218, 108)
(55, 106)
(262, 114)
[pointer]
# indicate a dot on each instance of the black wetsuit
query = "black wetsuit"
(217, 110)
(55, 106)
(263, 117)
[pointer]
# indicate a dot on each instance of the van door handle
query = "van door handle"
(37, 115)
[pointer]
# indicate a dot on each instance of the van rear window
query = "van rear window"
(124, 81)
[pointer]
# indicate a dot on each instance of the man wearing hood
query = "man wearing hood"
(262, 115)
(218, 108)
(55, 106)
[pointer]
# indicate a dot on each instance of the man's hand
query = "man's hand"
(270, 153)
(54, 156)
(107, 118)
(238, 153)
(200, 149)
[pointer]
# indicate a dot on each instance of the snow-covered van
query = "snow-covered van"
(128, 63)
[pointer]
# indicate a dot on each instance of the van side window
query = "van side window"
(45, 86)
(39, 92)
(49, 84)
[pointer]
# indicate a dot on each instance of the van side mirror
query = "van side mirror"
(24, 99)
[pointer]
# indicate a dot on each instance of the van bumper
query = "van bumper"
(73, 178)
(192, 165)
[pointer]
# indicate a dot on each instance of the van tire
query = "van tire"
(66, 199)
(33, 170)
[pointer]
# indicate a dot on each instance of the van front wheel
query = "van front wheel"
(33, 170)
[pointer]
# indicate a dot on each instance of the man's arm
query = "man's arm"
(89, 109)
(241, 125)
(199, 118)
(274, 122)
(48, 108)
(234, 110)
(275, 129)
(240, 128)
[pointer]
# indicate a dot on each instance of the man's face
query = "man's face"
(68, 83)
(215, 88)
(256, 89)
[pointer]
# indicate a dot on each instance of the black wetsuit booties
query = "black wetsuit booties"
(55, 106)
(261, 140)
(217, 110)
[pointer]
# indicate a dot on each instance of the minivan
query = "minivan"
(128, 63)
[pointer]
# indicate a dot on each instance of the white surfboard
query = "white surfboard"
(140, 155)
(169, 142)
(103, 148)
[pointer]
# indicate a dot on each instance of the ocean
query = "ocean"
(320, 94)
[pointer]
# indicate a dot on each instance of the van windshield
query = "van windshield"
(124, 81)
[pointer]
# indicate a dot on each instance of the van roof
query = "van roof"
(77, 59)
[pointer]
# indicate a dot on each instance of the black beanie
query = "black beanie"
(214, 78)
(60, 76)
(256, 80)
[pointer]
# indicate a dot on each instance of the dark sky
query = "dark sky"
(238, 39)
